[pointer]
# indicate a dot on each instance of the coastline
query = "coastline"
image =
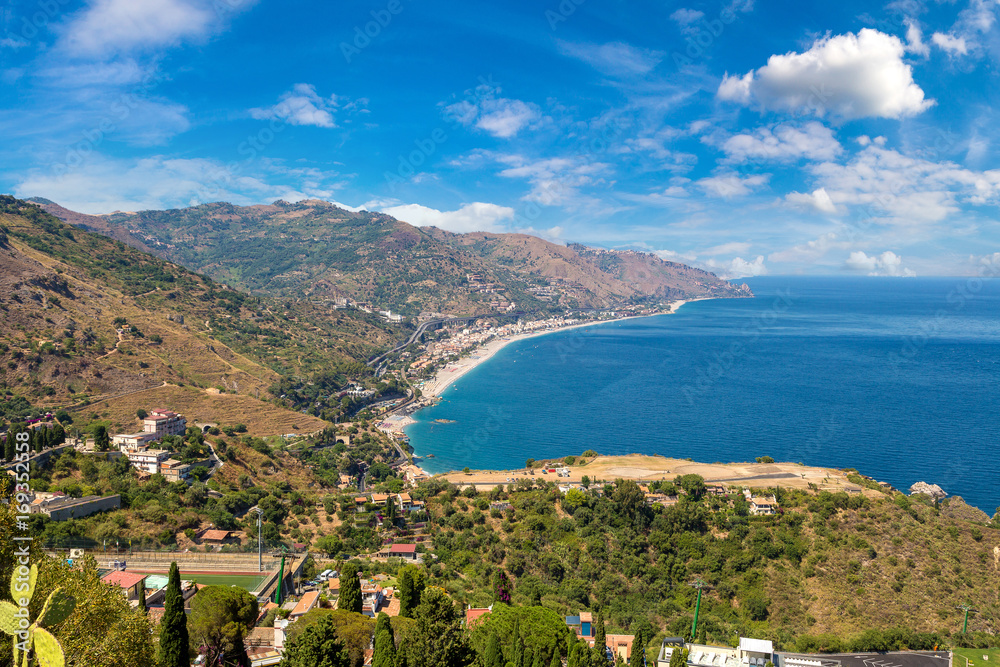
(445, 377)
(450, 373)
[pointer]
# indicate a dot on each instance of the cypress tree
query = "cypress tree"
(556, 661)
(492, 656)
(350, 589)
(385, 651)
(518, 657)
(173, 627)
(382, 624)
(600, 636)
(142, 598)
(639, 648)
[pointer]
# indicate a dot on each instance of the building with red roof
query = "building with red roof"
(130, 582)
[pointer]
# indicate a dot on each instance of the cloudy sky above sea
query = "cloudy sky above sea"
(746, 136)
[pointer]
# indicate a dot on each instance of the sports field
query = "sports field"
(250, 582)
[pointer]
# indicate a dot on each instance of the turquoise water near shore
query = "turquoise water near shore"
(898, 378)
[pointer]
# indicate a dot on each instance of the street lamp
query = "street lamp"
(260, 540)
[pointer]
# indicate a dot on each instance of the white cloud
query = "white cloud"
(809, 251)
(475, 217)
(730, 185)
(614, 58)
(554, 181)
(117, 26)
(685, 17)
(886, 264)
(915, 39)
(950, 43)
(818, 199)
(784, 143)
(160, 182)
(850, 76)
(301, 105)
(897, 189)
(730, 248)
(500, 117)
(738, 268)
(12, 43)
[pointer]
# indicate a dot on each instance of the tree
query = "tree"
(385, 649)
(173, 626)
(411, 587)
(350, 589)
(439, 640)
(679, 657)
(316, 646)
(102, 442)
(141, 414)
(390, 515)
(221, 616)
(585, 481)
(600, 634)
(103, 630)
(382, 623)
(639, 647)
(492, 657)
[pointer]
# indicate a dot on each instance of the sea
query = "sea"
(896, 377)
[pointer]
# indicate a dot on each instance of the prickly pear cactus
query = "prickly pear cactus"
(38, 641)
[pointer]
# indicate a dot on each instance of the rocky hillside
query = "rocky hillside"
(87, 318)
(313, 248)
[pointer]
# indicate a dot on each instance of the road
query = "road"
(375, 361)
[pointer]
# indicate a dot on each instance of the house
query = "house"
(716, 490)
(175, 471)
(60, 508)
(306, 603)
(761, 505)
(130, 582)
(333, 584)
(661, 499)
(473, 614)
(149, 460)
(620, 646)
(379, 499)
(582, 625)
(407, 551)
(406, 503)
(372, 595)
(132, 440)
(161, 423)
(217, 537)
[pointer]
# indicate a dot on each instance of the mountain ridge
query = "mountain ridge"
(314, 248)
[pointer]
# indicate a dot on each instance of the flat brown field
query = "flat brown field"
(648, 468)
(262, 419)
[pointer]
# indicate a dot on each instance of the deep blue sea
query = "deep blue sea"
(897, 377)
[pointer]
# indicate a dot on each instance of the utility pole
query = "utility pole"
(699, 584)
(966, 608)
(260, 540)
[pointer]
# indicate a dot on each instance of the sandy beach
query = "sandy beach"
(447, 375)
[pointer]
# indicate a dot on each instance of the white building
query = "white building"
(148, 460)
(161, 423)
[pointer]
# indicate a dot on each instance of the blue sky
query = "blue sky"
(747, 137)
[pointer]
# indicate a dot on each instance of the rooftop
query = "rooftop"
(403, 549)
(124, 579)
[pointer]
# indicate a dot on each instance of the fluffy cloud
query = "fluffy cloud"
(554, 181)
(498, 116)
(685, 17)
(615, 58)
(818, 200)
(738, 268)
(731, 184)
(809, 251)
(159, 182)
(784, 143)
(475, 217)
(897, 189)
(115, 26)
(301, 105)
(950, 43)
(850, 76)
(886, 264)
(915, 39)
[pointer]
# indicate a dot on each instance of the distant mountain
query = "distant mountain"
(313, 248)
(88, 318)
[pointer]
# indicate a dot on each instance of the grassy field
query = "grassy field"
(249, 582)
(973, 657)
